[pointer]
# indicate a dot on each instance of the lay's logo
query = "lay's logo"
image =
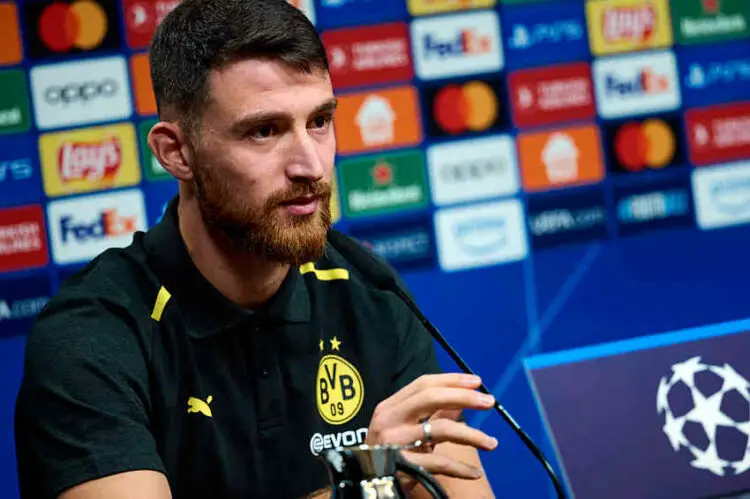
(631, 24)
(90, 159)
(628, 25)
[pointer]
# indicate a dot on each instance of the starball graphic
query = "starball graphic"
(705, 409)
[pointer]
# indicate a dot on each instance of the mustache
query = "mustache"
(307, 189)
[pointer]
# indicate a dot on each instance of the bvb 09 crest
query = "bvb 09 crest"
(339, 389)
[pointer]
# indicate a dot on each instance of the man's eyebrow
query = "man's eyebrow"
(262, 117)
(329, 105)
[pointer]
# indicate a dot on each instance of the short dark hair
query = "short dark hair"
(201, 35)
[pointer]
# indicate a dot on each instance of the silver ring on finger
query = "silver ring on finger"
(427, 441)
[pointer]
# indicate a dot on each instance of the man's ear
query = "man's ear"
(171, 148)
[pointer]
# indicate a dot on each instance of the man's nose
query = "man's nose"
(305, 161)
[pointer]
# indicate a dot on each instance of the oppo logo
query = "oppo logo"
(80, 92)
(473, 170)
(76, 87)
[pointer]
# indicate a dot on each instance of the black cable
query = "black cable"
(500, 409)
(423, 477)
(385, 278)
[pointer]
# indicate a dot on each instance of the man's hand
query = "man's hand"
(441, 398)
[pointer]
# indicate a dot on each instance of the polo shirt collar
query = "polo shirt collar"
(205, 309)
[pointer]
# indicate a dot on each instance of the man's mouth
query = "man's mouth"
(303, 205)
(300, 200)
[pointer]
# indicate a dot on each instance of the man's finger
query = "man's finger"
(430, 400)
(452, 414)
(448, 380)
(438, 464)
(445, 430)
(441, 430)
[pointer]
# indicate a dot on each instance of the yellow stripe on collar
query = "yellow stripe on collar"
(326, 274)
(161, 301)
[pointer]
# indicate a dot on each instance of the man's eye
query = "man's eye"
(263, 131)
(322, 121)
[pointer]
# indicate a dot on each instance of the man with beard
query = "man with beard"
(225, 348)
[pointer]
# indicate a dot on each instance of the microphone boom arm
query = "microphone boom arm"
(385, 278)
(499, 408)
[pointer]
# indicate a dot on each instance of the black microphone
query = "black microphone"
(384, 278)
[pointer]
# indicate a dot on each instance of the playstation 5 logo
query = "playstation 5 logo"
(336, 3)
(521, 38)
(696, 76)
(524, 37)
(732, 72)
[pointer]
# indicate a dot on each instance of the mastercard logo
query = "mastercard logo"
(80, 25)
(647, 144)
(468, 107)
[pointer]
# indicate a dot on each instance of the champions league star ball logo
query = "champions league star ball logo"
(706, 410)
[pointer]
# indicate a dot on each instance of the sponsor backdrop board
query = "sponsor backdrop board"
(546, 174)
(677, 402)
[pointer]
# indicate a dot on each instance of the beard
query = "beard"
(267, 231)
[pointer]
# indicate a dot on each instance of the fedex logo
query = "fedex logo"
(636, 84)
(646, 82)
(456, 45)
(83, 227)
(467, 42)
(109, 224)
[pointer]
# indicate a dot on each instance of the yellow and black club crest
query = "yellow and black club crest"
(338, 386)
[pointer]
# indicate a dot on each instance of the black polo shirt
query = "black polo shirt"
(139, 363)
